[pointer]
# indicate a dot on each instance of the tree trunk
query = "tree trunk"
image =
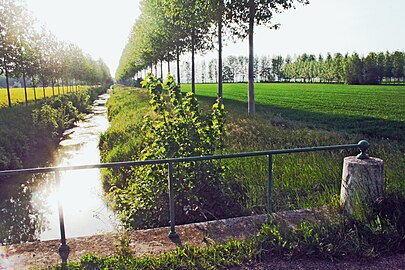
(168, 66)
(251, 93)
(25, 90)
(161, 69)
(193, 61)
(178, 64)
(8, 89)
(58, 88)
(63, 91)
(220, 58)
(53, 88)
(43, 87)
(156, 73)
(35, 93)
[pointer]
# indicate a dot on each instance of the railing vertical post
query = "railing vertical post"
(269, 184)
(63, 248)
(173, 232)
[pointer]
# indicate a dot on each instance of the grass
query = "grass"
(373, 110)
(300, 115)
(122, 140)
(18, 96)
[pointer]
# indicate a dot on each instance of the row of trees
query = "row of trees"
(36, 55)
(351, 69)
(338, 68)
(167, 29)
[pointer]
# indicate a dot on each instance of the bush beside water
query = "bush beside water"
(29, 134)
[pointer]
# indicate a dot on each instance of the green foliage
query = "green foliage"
(375, 68)
(187, 257)
(58, 114)
(163, 31)
(24, 131)
(340, 235)
(300, 115)
(176, 129)
(123, 139)
(46, 119)
(290, 115)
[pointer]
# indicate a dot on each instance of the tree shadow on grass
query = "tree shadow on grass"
(369, 126)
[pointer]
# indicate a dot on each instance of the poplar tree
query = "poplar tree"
(245, 14)
(193, 18)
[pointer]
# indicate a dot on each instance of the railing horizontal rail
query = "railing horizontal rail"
(177, 160)
(64, 248)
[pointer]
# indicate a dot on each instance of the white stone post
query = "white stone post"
(362, 182)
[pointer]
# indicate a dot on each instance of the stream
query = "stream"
(29, 204)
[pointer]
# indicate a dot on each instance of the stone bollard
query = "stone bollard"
(362, 182)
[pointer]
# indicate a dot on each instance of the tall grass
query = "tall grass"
(122, 141)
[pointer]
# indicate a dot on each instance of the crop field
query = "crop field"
(373, 110)
(17, 94)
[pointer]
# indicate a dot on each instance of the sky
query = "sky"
(101, 27)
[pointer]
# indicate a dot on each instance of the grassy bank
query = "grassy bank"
(28, 135)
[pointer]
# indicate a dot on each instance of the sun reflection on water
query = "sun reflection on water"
(85, 209)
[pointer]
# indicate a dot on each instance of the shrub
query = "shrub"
(46, 119)
(177, 129)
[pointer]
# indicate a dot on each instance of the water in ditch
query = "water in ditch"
(29, 205)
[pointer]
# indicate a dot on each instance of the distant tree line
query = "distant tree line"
(352, 69)
(38, 58)
(375, 68)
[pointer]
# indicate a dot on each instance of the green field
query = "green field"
(17, 94)
(373, 110)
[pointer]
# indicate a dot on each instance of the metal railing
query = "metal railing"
(363, 145)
